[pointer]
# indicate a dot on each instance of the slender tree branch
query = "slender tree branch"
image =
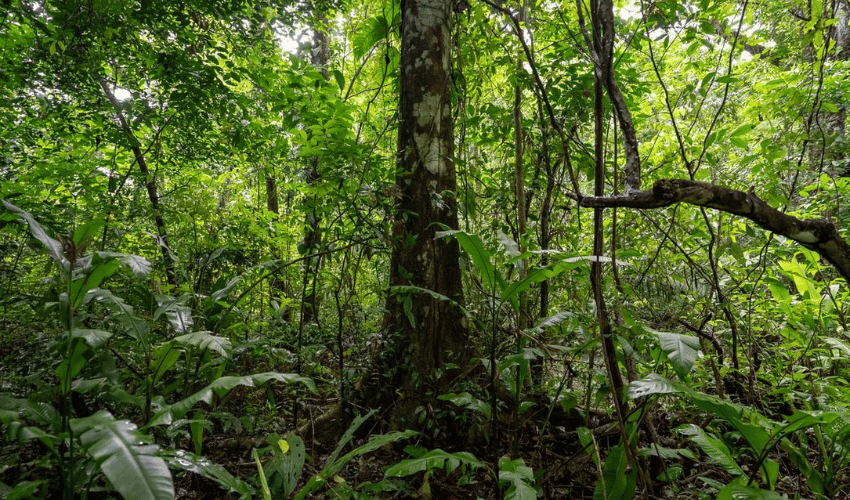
(818, 235)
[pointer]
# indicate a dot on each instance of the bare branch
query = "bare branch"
(818, 235)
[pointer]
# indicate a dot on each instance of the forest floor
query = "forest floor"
(563, 468)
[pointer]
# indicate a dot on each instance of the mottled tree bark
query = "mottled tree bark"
(432, 332)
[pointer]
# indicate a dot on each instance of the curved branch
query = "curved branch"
(818, 235)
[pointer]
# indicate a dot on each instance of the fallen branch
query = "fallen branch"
(818, 235)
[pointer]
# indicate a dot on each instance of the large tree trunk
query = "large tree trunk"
(431, 332)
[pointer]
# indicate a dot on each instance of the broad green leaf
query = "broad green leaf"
(54, 248)
(222, 386)
(616, 483)
(742, 130)
(284, 469)
(839, 346)
(137, 328)
(87, 231)
(553, 320)
(132, 468)
(375, 29)
(467, 400)
(91, 277)
(681, 350)
(756, 436)
(651, 384)
(332, 468)
(519, 477)
(164, 358)
(472, 245)
(206, 341)
(94, 338)
(183, 460)
(740, 491)
(712, 447)
(511, 247)
(534, 276)
(431, 460)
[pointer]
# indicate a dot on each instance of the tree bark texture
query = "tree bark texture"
(433, 332)
(818, 235)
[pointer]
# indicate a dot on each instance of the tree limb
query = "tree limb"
(818, 235)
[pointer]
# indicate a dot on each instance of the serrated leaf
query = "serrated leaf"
(132, 467)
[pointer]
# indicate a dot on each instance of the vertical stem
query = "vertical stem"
(522, 216)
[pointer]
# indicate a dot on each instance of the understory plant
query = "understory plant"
(84, 450)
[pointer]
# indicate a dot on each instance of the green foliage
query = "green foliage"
(519, 479)
(132, 467)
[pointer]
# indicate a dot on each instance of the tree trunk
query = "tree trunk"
(312, 236)
(431, 333)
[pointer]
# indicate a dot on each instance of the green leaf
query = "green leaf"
(132, 468)
(839, 346)
(264, 486)
(206, 341)
(222, 386)
(534, 276)
(519, 477)
(54, 248)
(681, 350)
(737, 490)
(472, 245)
(431, 460)
(742, 130)
(196, 427)
(288, 464)
(468, 401)
(375, 29)
(651, 384)
(340, 79)
(94, 338)
(183, 460)
(91, 278)
(616, 483)
(553, 320)
(712, 447)
(87, 231)
(332, 468)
